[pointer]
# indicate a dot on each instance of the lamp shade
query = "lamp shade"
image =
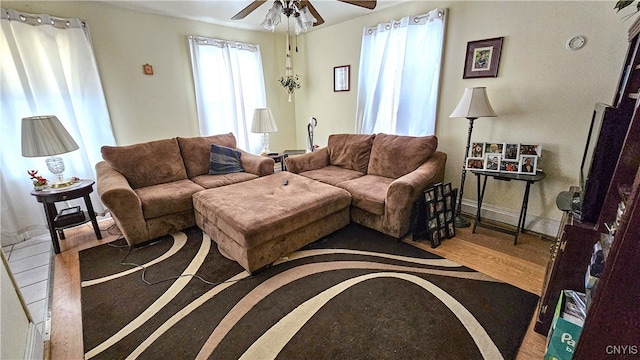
(263, 121)
(45, 136)
(474, 104)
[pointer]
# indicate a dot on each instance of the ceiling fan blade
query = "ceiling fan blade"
(248, 10)
(313, 11)
(367, 4)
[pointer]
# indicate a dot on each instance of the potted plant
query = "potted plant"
(290, 82)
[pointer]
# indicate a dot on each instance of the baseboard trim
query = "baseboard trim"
(545, 226)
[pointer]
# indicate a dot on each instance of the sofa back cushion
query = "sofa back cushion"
(196, 151)
(350, 151)
(151, 163)
(393, 156)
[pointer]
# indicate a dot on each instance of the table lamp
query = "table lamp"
(263, 122)
(474, 104)
(46, 136)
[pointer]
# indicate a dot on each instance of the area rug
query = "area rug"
(355, 294)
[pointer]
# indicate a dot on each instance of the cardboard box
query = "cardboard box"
(566, 327)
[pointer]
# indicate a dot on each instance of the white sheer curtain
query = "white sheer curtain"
(399, 75)
(47, 67)
(229, 85)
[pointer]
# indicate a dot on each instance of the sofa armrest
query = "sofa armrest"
(309, 161)
(123, 203)
(256, 164)
(405, 190)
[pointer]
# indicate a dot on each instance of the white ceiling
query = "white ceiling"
(220, 11)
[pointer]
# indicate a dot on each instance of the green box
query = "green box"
(563, 334)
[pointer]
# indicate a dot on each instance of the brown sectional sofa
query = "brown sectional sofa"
(385, 175)
(148, 187)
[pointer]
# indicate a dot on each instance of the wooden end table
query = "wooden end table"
(49, 197)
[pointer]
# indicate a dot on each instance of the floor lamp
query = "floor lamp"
(474, 104)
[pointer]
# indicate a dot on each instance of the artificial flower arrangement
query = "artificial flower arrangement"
(38, 181)
(290, 82)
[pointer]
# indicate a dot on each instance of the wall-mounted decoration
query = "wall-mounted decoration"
(341, 78)
(147, 69)
(483, 58)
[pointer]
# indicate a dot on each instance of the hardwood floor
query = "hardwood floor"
(486, 251)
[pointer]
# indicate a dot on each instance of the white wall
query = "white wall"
(543, 93)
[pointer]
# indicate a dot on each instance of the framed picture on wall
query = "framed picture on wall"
(482, 58)
(341, 78)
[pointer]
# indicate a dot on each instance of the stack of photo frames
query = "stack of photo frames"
(435, 214)
(504, 157)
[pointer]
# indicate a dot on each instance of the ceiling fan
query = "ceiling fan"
(296, 7)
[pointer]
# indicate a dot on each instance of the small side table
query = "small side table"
(529, 179)
(48, 198)
(278, 158)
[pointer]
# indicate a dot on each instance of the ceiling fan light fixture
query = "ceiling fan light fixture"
(307, 18)
(273, 17)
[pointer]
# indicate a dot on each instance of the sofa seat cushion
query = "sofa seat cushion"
(332, 175)
(167, 198)
(214, 181)
(368, 192)
(151, 163)
(196, 151)
(394, 156)
(257, 211)
(350, 151)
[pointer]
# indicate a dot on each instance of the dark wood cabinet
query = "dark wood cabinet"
(612, 326)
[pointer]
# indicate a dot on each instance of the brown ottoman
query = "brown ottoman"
(256, 222)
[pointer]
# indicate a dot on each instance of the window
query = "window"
(229, 85)
(399, 75)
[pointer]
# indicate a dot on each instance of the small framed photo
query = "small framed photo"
(482, 58)
(341, 78)
(477, 150)
(493, 148)
(531, 150)
(434, 214)
(147, 69)
(474, 164)
(509, 166)
(492, 162)
(512, 152)
(430, 194)
(528, 164)
(451, 229)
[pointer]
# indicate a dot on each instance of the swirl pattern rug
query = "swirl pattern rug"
(355, 294)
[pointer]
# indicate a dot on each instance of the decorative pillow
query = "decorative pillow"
(393, 156)
(224, 160)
